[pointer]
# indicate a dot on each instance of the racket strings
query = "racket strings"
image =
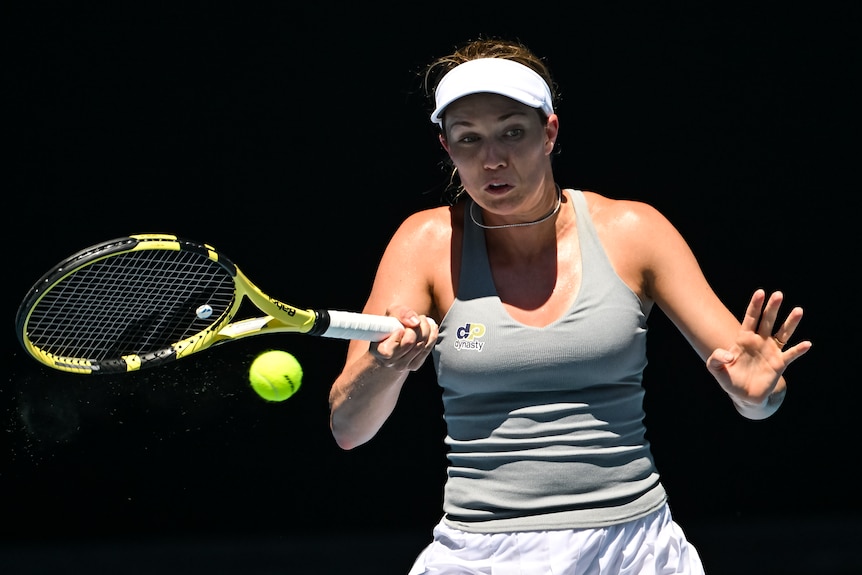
(138, 302)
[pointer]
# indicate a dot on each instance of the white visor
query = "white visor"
(496, 76)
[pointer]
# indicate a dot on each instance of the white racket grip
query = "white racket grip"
(366, 327)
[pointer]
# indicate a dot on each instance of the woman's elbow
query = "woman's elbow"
(344, 441)
(346, 436)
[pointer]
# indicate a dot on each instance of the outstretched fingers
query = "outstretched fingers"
(785, 332)
(770, 315)
(763, 319)
(753, 311)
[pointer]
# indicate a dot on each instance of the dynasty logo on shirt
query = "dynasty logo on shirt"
(468, 337)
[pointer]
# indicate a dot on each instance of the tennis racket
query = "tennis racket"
(145, 300)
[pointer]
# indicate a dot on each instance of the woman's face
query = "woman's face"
(502, 150)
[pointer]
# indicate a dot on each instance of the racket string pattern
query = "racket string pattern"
(135, 303)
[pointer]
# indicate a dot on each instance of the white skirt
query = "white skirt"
(653, 545)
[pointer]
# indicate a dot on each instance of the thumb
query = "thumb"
(718, 359)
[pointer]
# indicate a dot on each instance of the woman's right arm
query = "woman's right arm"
(366, 391)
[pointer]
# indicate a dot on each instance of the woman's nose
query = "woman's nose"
(493, 156)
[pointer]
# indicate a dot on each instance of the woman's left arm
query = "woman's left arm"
(747, 358)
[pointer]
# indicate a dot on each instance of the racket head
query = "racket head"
(127, 304)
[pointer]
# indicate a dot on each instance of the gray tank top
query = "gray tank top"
(545, 425)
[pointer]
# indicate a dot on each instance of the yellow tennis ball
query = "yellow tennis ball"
(275, 375)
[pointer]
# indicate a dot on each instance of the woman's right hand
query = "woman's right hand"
(406, 349)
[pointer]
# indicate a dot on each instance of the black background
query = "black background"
(295, 139)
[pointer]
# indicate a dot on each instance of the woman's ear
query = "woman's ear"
(443, 142)
(552, 130)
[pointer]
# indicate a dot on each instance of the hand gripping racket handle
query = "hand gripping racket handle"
(352, 325)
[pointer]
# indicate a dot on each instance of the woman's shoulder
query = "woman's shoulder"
(424, 249)
(631, 213)
(432, 223)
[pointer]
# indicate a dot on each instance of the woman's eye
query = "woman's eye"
(514, 132)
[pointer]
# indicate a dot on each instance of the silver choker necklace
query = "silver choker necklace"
(547, 216)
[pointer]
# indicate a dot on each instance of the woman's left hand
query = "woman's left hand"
(751, 370)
